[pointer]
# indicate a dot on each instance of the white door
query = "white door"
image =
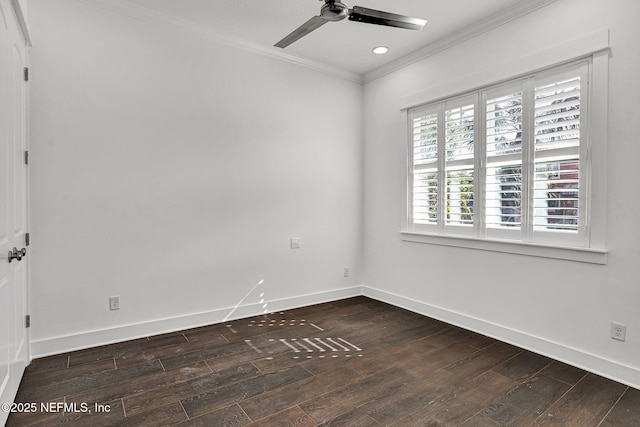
(14, 342)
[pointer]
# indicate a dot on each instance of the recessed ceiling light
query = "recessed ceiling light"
(380, 50)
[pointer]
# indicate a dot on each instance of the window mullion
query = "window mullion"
(479, 210)
(410, 171)
(585, 160)
(528, 151)
(442, 176)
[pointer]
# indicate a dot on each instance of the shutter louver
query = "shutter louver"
(425, 198)
(459, 140)
(556, 190)
(425, 139)
(460, 187)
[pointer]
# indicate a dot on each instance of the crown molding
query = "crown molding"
(509, 14)
(141, 13)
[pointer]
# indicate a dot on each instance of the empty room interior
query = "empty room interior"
(198, 171)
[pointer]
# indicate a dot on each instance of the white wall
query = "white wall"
(172, 171)
(556, 307)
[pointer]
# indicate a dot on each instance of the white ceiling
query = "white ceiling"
(343, 45)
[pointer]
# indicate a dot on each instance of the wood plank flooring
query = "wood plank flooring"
(355, 362)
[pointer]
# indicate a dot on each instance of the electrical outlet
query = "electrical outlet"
(346, 272)
(618, 331)
(295, 243)
(114, 303)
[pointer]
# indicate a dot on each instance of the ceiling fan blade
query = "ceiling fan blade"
(312, 24)
(370, 16)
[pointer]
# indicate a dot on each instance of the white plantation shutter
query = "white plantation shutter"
(505, 162)
(558, 208)
(503, 170)
(425, 167)
(459, 163)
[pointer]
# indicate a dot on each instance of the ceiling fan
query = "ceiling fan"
(333, 10)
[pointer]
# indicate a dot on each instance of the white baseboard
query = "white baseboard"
(87, 339)
(593, 363)
(624, 374)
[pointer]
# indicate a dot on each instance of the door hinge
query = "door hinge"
(27, 239)
(26, 74)
(26, 157)
(27, 321)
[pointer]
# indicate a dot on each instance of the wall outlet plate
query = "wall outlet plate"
(618, 331)
(114, 303)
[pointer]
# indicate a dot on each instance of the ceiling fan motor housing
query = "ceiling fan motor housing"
(334, 11)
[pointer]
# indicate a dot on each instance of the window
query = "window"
(505, 162)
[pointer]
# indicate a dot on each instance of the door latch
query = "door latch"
(17, 254)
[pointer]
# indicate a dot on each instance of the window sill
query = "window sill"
(588, 255)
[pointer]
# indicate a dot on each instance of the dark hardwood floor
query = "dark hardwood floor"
(356, 362)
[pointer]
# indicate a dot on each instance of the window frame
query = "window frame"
(592, 48)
